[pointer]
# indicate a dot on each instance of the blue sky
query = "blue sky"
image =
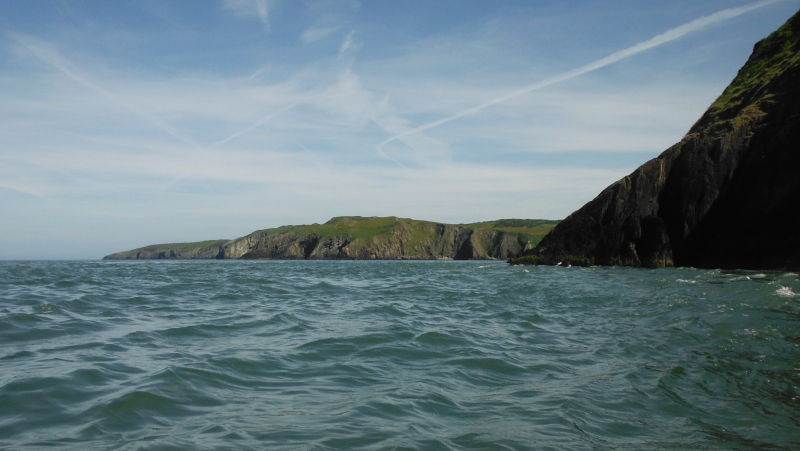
(129, 123)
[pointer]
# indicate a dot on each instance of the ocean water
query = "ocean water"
(300, 355)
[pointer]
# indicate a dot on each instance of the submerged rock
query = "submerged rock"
(725, 196)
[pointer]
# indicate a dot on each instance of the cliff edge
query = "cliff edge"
(725, 196)
(359, 238)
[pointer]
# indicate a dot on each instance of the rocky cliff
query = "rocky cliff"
(357, 238)
(725, 196)
(202, 250)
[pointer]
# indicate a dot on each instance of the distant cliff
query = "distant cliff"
(725, 196)
(358, 238)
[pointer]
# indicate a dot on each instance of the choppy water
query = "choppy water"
(395, 355)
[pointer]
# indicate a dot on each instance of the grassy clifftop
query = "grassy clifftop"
(367, 228)
(356, 237)
(771, 57)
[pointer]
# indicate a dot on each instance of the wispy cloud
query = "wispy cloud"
(348, 43)
(10, 185)
(48, 55)
(132, 145)
(257, 124)
(318, 33)
(329, 18)
(251, 8)
(661, 39)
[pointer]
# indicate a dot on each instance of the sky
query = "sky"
(130, 123)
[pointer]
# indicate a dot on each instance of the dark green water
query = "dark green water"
(395, 355)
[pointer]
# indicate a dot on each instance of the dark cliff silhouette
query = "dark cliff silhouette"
(726, 196)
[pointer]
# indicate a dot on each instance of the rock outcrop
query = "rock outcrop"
(357, 238)
(725, 196)
(182, 251)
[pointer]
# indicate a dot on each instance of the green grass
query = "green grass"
(356, 227)
(417, 235)
(517, 226)
(366, 229)
(524, 230)
(758, 73)
(514, 224)
(181, 246)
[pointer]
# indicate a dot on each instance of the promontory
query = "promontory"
(726, 196)
(364, 238)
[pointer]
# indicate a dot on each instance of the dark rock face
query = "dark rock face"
(186, 251)
(726, 196)
(417, 241)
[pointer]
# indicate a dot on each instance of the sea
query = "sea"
(395, 355)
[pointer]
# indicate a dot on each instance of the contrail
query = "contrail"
(23, 190)
(671, 35)
(257, 124)
(48, 56)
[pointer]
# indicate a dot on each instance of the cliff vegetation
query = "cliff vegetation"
(364, 238)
